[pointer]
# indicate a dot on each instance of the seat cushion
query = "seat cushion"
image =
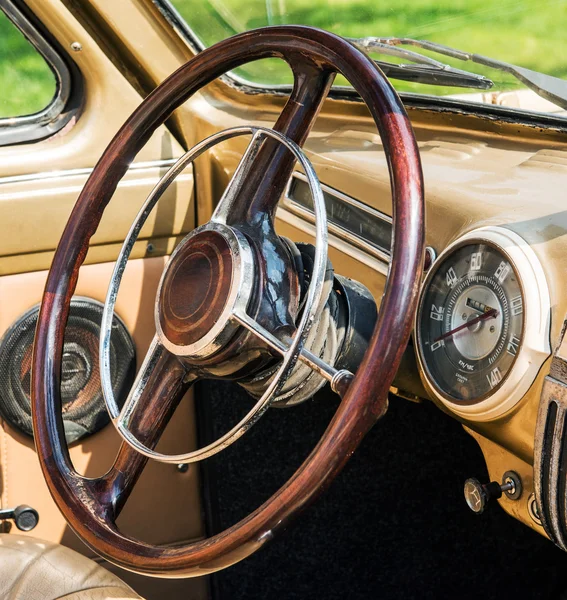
(31, 569)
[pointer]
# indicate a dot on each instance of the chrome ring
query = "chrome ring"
(312, 306)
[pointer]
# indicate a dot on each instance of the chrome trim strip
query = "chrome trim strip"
(293, 206)
(150, 164)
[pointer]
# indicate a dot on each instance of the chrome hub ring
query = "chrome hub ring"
(219, 259)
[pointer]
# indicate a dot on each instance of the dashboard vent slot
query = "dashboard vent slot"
(545, 159)
(550, 451)
(349, 219)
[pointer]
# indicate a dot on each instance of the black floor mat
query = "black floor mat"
(393, 525)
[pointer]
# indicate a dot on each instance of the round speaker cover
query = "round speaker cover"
(84, 411)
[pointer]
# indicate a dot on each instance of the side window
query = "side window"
(35, 81)
(27, 82)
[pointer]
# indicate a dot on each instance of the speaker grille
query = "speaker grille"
(83, 407)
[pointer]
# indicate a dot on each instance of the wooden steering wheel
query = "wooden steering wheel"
(230, 286)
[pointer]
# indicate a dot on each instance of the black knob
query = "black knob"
(25, 517)
(478, 494)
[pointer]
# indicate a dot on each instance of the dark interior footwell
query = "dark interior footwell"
(393, 525)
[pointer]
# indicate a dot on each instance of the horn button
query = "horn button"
(208, 278)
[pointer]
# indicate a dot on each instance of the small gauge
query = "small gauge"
(471, 323)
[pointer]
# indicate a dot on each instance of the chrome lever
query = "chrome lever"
(25, 517)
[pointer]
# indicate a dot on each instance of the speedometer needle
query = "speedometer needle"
(492, 313)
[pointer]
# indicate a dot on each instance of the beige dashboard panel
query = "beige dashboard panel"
(165, 505)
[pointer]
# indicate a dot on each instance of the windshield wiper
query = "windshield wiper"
(429, 70)
(422, 69)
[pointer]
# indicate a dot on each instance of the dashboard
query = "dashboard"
(491, 307)
(492, 189)
(483, 323)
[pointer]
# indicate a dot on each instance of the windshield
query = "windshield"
(528, 33)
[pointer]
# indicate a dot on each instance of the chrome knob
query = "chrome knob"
(25, 517)
(477, 495)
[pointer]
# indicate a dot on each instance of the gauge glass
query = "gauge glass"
(470, 322)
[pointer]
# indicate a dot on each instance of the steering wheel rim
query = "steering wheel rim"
(91, 506)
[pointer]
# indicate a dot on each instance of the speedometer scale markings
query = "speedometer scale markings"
(470, 322)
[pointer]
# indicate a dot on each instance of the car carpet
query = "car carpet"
(394, 524)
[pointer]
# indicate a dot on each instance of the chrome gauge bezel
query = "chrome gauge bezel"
(535, 345)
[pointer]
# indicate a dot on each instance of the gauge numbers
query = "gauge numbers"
(470, 322)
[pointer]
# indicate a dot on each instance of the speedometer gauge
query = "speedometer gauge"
(484, 307)
(473, 322)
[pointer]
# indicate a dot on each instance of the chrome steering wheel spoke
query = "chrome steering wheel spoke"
(145, 373)
(328, 372)
(224, 211)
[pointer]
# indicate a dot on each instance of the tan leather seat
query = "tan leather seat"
(31, 569)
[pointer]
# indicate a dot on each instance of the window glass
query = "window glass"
(27, 83)
(528, 33)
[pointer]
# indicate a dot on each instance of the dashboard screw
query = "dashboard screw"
(430, 256)
(533, 509)
(183, 467)
(514, 482)
(76, 46)
(150, 248)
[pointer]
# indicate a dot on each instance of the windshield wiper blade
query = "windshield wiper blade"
(551, 88)
(422, 69)
(434, 75)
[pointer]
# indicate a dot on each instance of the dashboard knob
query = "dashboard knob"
(477, 495)
(25, 517)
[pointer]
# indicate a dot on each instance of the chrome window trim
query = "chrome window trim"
(46, 175)
(294, 207)
(24, 128)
